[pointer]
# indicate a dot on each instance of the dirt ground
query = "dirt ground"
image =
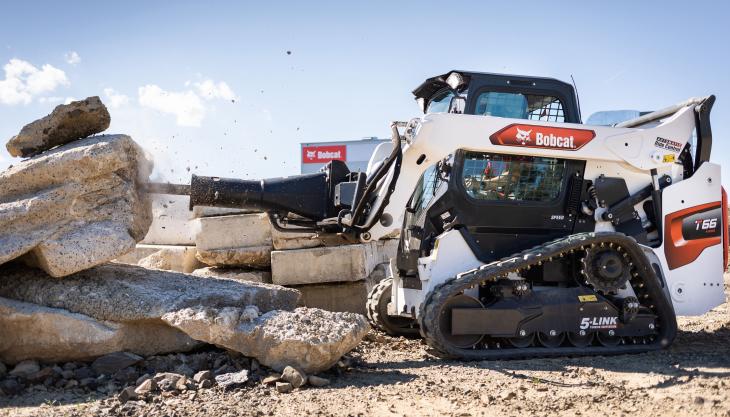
(398, 377)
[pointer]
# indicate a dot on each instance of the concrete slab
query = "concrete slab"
(345, 297)
(289, 240)
(172, 222)
(346, 263)
(127, 293)
(236, 231)
(166, 257)
(236, 274)
(252, 257)
(50, 334)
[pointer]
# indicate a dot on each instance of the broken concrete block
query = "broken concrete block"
(166, 257)
(291, 240)
(140, 252)
(52, 334)
(236, 274)
(232, 380)
(65, 124)
(238, 240)
(330, 264)
(294, 376)
(76, 206)
(126, 293)
(172, 258)
(311, 340)
(237, 231)
(342, 296)
(254, 256)
(172, 222)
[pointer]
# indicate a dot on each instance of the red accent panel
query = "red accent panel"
(319, 154)
(542, 137)
(725, 224)
(680, 252)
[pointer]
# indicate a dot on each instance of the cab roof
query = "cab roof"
(475, 81)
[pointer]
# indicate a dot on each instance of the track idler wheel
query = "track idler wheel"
(462, 341)
(376, 309)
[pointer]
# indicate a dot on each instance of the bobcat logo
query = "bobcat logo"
(523, 136)
(311, 154)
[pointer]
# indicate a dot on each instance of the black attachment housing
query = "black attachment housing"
(308, 195)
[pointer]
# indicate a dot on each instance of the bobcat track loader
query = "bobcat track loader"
(523, 233)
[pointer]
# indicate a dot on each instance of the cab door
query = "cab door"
(507, 203)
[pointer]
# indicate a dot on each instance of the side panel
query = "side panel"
(692, 257)
(450, 257)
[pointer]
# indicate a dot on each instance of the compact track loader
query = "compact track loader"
(523, 233)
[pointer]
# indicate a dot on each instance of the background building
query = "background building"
(356, 153)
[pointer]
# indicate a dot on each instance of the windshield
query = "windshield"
(440, 102)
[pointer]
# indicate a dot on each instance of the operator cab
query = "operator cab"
(513, 96)
(529, 199)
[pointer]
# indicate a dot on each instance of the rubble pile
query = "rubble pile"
(244, 246)
(133, 378)
(75, 205)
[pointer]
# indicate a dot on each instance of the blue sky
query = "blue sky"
(210, 87)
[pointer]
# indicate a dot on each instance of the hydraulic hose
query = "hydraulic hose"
(372, 182)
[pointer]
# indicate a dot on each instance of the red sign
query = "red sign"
(545, 137)
(320, 154)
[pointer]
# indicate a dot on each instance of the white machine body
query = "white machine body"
(693, 270)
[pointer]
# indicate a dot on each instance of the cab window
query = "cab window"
(425, 190)
(492, 177)
(520, 106)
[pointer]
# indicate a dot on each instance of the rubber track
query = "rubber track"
(652, 293)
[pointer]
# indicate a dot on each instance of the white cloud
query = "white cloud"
(69, 99)
(115, 99)
(186, 105)
(209, 89)
(23, 81)
(72, 57)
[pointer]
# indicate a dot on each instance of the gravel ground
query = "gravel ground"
(391, 376)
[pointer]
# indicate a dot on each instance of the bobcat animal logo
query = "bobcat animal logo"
(311, 154)
(523, 136)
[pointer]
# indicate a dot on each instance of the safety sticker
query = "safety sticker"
(668, 157)
(589, 298)
(668, 144)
